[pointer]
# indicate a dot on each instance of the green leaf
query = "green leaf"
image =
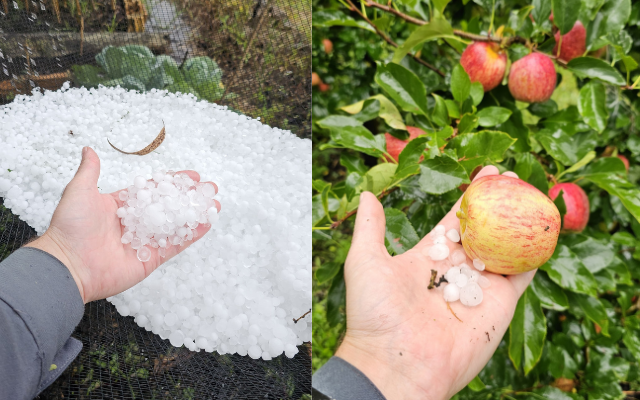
(403, 86)
(327, 271)
(476, 148)
(543, 110)
(338, 121)
(328, 18)
(460, 84)
(530, 170)
(201, 70)
(467, 123)
(541, 10)
(378, 178)
(440, 5)
(527, 331)
(492, 116)
(593, 309)
(625, 239)
(353, 163)
(435, 29)
(399, 232)
(410, 157)
(611, 18)
(564, 148)
(566, 269)
(629, 63)
(440, 114)
(594, 254)
(516, 128)
(594, 68)
(584, 161)
(476, 92)
(592, 105)
(452, 109)
(365, 110)
(359, 138)
(632, 341)
(441, 175)
(324, 196)
(608, 174)
(551, 295)
(476, 384)
(560, 205)
(565, 14)
(604, 167)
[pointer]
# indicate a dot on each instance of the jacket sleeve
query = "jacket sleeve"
(40, 306)
(339, 380)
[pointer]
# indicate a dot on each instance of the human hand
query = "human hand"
(85, 234)
(401, 335)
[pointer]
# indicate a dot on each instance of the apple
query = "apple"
(328, 46)
(577, 202)
(508, 224)
(323, 87)
(574, 42)
(625, 160)
(485, 63)
(395, 145)
(315, 79)
(532, 78)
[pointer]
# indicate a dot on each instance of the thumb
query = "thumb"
(89, 169)
(368, 233)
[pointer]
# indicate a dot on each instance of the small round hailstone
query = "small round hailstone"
(452, 274)
(451, 293)
(478, 264)
(471, 295)
(439, 230)
(176, 338)
(439, 240)
(462, 280)
(484, 282)
(453, 235)
(464, 268)
(473, 275)
(144, 254)
(458, 257)
(438, 252)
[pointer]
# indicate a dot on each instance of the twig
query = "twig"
(81, 20)
(391, 42)
(265, 11)
(392, 10)
(454, 314)
(5, 3)
(295, 321)
(349, 214)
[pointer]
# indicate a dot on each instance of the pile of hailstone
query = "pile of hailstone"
(240, 286)
(464, 284)
(164, 211)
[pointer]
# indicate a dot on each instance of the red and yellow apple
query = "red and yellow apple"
(532, 78)
(484, 62)
(508, 224)
(323, 87)
(625, 160)
(577, 203)
(315, 79)
(395, 145)
(328, 46)
(574, 42)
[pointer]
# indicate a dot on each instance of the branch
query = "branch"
(396, 12)
(391, 42)
(295, 321)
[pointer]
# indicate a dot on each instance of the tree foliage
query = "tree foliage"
(394, 66)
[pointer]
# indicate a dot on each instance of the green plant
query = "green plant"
(135, 67)
(396, 65)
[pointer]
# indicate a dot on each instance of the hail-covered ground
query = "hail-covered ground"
(236, 290)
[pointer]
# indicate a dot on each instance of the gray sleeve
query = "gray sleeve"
(40, 306)
(339, 380)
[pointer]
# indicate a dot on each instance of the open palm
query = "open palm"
(401, 334)
(85, 233)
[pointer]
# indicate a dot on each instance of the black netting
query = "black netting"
(251, 55)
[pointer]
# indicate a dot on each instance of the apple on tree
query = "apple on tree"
(577, 203)
(484, 62)
(395, 145)
(532, 78)
(574, 42)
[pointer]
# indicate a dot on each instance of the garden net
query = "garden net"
(251, 55)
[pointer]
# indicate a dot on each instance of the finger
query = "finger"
(89, 170)
(521, 281)
(193, 175)
(511, 174)
(450, 221)
(369, 229)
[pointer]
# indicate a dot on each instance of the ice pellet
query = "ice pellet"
(439, 230)
(453, 235)
(458, 257)
(484, 282)
(452, 274)
(451, 293)
(462, 280)
(471, 294)
(438, 252)
(478, 264)
(439, 240)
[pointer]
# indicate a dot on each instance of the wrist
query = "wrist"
(392, 372)
(53, 244)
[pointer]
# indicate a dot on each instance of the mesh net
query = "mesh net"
(251, 55)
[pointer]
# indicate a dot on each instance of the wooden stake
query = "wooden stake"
(56, 8)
